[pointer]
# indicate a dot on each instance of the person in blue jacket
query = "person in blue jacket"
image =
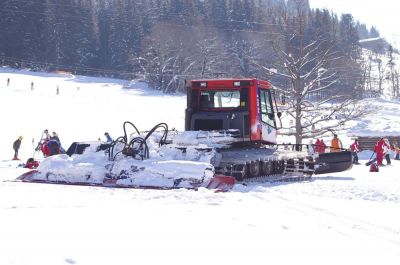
(54, 146)
(108, 137)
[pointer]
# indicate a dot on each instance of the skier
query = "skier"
(336, 144)
(8, 81)
(108, 137)
(32, 85)
(355, 148)
(16, 146)
(42, 145)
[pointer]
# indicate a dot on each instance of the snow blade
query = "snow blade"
(221, 183)
(334, 162)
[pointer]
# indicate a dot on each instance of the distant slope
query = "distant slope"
(85, 108)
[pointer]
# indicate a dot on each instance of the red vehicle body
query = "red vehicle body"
(245, 105)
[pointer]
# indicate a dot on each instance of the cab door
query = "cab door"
(267, 116)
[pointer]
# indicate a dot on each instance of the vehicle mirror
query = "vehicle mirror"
(271, 116)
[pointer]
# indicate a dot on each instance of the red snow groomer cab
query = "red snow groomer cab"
(244, 105)
(247, 108)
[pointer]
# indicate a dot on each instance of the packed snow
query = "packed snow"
(351, 217)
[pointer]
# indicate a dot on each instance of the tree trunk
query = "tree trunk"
(299, 131)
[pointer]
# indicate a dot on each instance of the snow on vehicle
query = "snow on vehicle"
(139, 160)
(230, 134)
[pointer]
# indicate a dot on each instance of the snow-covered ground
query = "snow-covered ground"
(351, 217)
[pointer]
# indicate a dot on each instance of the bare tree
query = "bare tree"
(309, 67)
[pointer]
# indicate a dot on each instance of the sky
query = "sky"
(382, 14)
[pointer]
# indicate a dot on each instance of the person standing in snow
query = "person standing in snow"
(336, 144)
(42, 145)
(32, 85)
(386, 150)
(317, 145)
(8, 81)
(396, 151)
(379, 150)
(55, 137)
(355, 148)
(16, 146)
(108, 137)
(322, 146)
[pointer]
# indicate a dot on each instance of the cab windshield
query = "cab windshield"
(219, 99)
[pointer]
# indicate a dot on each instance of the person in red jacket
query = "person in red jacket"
(355, 148)
(320, 146)
(379, 149)
(317, 145)
(323, 146)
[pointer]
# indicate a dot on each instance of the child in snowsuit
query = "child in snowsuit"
(16, 146)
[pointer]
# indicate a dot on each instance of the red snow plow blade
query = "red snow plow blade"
(219, 183)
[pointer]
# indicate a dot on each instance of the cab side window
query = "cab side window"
(266, 110)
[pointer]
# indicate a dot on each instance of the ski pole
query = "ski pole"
(33, 146)
(370, 159)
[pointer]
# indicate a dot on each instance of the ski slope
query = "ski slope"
(351, 217)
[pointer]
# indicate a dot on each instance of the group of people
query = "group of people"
(382, 149)
(335, 146)
(50, 144)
